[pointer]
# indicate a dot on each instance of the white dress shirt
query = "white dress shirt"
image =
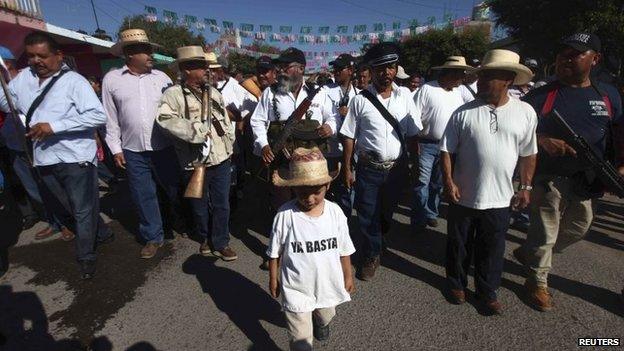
(372, 133)
(285, 105)
(335, 94)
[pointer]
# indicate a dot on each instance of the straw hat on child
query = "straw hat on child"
(307, 167)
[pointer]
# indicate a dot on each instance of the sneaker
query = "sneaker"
(150, 249)
(432, 222)
(539, 297)
(370, 265)
(226, 254)
(205, 249)
(320, 332)
(458, 297)
(87, 269)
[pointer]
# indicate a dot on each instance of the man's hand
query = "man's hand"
(274, 288)
(342, 110)
(521, 200)
(324, 131)
(349, 284)
(556, 147)
(452, 192)
(120, 160)
(40, 131)
(267, 155)
(348, 178)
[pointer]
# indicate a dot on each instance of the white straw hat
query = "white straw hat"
(307, 167)
(131, 37)
(506, 60)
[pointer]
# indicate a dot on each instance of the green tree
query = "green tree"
(540, 25)
(169, 36)
(242, 63)
(431, 48)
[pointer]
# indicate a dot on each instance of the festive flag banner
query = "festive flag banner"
(266, 28)
(360, 28)
(170, 17)
(228, 25)
(406, 32)
(323, 30)
(389, 35)
(378, 27)
(260, 36)
(342, 29)
(152, 14)
(247, 27)
(245, 34)
(413, 24)
(189, 20)
(200, 26)
(305, 30)
(151, 10)
(285, 29)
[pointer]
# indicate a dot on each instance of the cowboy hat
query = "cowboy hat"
(131, 37)
(185, 54)
(454, 62)
(212, 60)
(307, 167)
(401, 73)
(506, 60)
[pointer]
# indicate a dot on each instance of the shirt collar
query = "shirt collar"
(125, 69)
(64, 67)
(394, 93)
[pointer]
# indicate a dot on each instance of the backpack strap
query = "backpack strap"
(39, 99)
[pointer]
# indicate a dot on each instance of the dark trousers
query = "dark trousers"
(478, 233)
(211, 213)
(73, 187)
(377, 194)
(338, 192)
(146, 171)
(14, 187)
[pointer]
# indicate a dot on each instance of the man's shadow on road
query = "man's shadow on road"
(244, 301)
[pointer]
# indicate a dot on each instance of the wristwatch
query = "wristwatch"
(525, 187)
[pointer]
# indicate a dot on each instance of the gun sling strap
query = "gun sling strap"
(39, 99)
(386, 115)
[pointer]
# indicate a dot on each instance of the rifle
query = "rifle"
(606, 173)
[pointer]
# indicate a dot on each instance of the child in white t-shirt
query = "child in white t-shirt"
(310, 240)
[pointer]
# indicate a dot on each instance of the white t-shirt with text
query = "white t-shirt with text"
(487, 143)
(310, 247)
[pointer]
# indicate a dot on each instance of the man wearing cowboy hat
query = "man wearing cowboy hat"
(435, 102)
(561, 202)
(483, 142)
(375, 129)
(207, 143)
(130, 96)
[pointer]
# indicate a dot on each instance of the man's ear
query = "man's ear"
(596, 59)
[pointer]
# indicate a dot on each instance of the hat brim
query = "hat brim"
(523, 73)
(402, 76)
(214, 65)
(117, 48)
(174, 66)
(453, 67)
(577, 46)
(281, 178)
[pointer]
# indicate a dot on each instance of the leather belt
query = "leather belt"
(365, 160)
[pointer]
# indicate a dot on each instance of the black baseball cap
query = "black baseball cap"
(582, 42)
(291, 55)
(264, 62)
(343, 60)
(382, 54)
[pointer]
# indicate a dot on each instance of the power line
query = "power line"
(374, 10)
(415, 3)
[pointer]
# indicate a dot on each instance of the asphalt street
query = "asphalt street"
(182, 301)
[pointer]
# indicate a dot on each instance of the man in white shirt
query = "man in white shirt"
(339, 94)
(382, 168)
(435, 101)
(275, 107)
(483, 142)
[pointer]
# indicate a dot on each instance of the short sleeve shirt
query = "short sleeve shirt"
(310, 248)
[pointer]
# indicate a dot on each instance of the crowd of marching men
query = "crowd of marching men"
(479, 133)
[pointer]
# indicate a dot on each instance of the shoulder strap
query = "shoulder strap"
(385, 113)
(223, 87)
(474, 94)
(39, 99)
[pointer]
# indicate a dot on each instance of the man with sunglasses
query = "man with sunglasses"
(130, 96)
(561, 202)
(483, 142)
(435, 102)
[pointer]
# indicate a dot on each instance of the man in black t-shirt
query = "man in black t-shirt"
(561, 210)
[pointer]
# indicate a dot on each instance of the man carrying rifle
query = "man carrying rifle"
(563, 186)
(194, 115)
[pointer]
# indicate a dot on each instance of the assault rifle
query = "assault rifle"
(606, 173)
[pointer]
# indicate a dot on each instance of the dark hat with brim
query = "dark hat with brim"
(382, 54)
(583, 42)
(291, 55)
(343, 60)
(265, 62)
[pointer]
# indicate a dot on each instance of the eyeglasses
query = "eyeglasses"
(493, 122)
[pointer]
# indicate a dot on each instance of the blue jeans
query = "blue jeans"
(211, 213)
(478, 233)
(377, 194)
(145, 171)
(426, 197)
(74, 187)
(27, 176)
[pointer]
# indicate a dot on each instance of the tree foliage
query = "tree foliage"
(540, 25)
(169, 36)
(244, 64)
(431, 48)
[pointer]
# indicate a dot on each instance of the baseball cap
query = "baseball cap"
(291, 55)
(264, 62)
(583, 42)
(343, 60)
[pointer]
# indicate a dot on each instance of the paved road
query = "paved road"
(182, 301)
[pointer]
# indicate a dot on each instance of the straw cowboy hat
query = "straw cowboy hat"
(212, 60)
(131, 37)
(307, 167)
(401, 73)
(454, 62)
(506, 60)
(187, 53)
